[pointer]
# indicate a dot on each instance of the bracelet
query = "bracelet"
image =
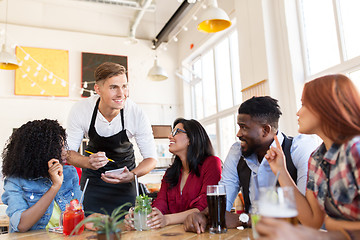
(346, 234)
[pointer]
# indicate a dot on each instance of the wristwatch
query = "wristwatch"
(244, 218)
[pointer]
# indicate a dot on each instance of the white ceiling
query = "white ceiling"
(89, 16)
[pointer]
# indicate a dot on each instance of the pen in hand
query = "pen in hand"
(93, 153)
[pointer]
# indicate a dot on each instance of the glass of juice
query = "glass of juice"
(73, 214)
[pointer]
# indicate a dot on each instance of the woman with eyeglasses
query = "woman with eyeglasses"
(183, 187)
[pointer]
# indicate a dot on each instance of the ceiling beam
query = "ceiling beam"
(171, 24)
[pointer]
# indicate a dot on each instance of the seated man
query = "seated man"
(245, 166)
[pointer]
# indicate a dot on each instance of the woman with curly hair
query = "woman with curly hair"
(183, 187)
(37, 186)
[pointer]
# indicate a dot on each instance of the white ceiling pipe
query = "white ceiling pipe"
(138, 18)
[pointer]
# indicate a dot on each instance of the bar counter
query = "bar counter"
(173, 232)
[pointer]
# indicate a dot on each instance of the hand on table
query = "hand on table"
(114, 178)
(195, 222)
(156, 219)
(90, 225)
(98, 160)
(129, 223)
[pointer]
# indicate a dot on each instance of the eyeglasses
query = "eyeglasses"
(176, 131)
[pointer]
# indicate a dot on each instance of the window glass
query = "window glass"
(350, 19)
(198, 91)
(235, 67)
(209, 83)
(199, 110)
(227, 135)
(211, 131)
(216, 90)
(320, 34)
(223, 75)
(355, 77)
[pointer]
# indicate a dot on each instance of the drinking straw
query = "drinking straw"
(276, 179)
(93, 153)
(136, 185)
(82, 195)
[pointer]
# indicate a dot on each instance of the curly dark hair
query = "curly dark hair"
(30, 147)
(199, 149)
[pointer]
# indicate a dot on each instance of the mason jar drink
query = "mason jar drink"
(140, 211)
(73, 214)
(216, 199)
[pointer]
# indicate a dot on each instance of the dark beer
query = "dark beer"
(217, 207)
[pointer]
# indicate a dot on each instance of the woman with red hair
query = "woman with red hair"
(331, 110)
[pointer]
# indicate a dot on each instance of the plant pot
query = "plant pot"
(112, 235)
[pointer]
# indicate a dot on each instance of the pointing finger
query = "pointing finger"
(277, 142)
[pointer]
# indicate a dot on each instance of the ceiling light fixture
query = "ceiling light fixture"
(213, 19)
(8, 61)
(157, 73)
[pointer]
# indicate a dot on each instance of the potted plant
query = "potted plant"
(106, 226)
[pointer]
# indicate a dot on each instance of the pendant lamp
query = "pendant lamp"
(7, 60)
(157, 73)
(213, 19)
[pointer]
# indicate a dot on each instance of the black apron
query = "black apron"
(99, 194)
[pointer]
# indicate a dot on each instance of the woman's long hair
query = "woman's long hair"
(30, 147)
(336, 101)
(198, 150)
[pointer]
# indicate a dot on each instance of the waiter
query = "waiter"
(109, 119)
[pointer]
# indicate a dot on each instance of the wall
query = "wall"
(160, 100)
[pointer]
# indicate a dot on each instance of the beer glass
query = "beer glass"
(278, 203)
(216, 199)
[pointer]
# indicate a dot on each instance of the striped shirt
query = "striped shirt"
(334, 177)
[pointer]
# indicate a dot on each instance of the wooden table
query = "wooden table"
(174, 232)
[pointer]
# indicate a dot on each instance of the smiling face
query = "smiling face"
(250, 134)
(180, 142)
(113, 92)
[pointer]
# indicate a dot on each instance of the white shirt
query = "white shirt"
(136, 124)
(301, 148)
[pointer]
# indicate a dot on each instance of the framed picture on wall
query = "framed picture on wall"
(42, 72)
(90, 61)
